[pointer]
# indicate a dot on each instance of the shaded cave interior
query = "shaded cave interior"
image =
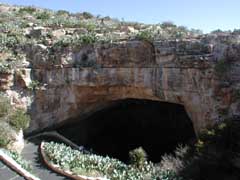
(157, 127)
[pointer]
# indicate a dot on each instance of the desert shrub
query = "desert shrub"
(9, 60)
(217, 31)
(63, 42)
(7, 41)
(11, 40)
(4, 141)
(6, 67)
(19, 119)
(90, 27)
(145, 35)
(77, 40)
(195, 32)
(174, 162)
(62, 13)
(89, 38)
(5, 106)
(33, 85)
(6, 134)
(16, 118)
(44, 15)
(168, 24)
(29, 10)
(87, 15)
(138, 157)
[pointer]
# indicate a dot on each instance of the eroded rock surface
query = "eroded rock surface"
(78, 81)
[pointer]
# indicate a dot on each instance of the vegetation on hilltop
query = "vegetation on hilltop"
(24, 26)
(16, 20)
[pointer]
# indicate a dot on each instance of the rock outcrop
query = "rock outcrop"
(76, 82)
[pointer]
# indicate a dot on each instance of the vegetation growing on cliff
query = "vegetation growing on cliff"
(12, 120)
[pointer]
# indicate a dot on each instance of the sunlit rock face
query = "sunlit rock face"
(78, 81)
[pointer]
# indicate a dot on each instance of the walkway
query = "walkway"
(31, 154)
(7, 174)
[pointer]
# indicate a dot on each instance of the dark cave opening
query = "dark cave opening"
(158, 127)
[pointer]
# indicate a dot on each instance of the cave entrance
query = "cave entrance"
(158, 127)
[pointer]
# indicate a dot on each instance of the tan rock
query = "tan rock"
(58, 33)
(17, 144)
(79, 80)
(23, 77)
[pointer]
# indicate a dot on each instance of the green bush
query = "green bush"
(168, 24)
(19, 119)
(62, 13)
(5, 106)
(11, 40)
(16, 118)
(89, 38)
(87, 15)
(7, 41)
(3, 142)
(77, 40)
(6, 134)
(43, 15)
(138, 157)
(33, 85)
(29, 10)
(145, 35)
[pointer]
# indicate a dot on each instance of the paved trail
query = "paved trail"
(7, 174)
(31, 153)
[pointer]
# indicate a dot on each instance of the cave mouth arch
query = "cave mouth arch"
(127, 124)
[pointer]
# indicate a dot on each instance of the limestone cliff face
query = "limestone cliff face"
(77, 81)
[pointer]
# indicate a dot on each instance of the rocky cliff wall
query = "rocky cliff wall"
(67, 82)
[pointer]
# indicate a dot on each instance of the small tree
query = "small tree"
(87, 15)
(168, 24)
(138, 157)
